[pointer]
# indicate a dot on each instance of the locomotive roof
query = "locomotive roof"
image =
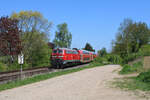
(66, 49)
(76, 50)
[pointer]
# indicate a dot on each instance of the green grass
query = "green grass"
(134, 68)
(38, 78)
(132, 83)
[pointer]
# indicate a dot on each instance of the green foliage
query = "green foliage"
(39, 53)
(136, 67)
(16, 66)
(126, 69)
(145, 50)
(89, 47)
(63, 37)
(100, 61)
(130, 38)
(30, 21)
(102, 52)
(130, 57)
(35, 36)
(3, 67)
(108, 59)
(140, 82)
(144, 77)
(132, 83)
(114, 59)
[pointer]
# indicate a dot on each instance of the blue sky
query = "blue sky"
(93, 21)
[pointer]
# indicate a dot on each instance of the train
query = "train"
(62, 57)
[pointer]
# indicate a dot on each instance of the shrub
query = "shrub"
(16, 66)
(126, 69)
(108, 59)
(114, 59)
(145, 50)
(144, 76)
(136, 67)
(99, 61)
(3, 67)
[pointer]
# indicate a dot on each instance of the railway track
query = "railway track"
(6, 77)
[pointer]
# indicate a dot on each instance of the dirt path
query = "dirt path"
(89, 84)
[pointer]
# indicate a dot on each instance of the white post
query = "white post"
(21, 71)
(20, 61)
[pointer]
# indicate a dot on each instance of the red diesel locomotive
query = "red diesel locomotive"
(63, 56)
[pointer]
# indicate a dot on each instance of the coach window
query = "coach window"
(68, 52)
(75, 52)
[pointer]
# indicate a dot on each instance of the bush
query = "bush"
(108, 59)
(3, 67)
(114, 59)
(144, 76)
(136, 67)
(145, 50)
(126, 69)
(16, 66)
(99, 61)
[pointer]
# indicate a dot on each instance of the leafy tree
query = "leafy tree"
(40, 51)
(35, 36)
(63, 37)
(30, 21)
(102, 52)
(89, 47)
(10, 44)
(121, 45)
(130, 37)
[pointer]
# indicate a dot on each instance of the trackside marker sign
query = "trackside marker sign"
(20, 59)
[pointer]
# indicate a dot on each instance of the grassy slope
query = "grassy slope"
(132, 83)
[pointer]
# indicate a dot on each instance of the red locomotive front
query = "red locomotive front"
(63, 56)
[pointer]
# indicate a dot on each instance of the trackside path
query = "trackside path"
(89, 84)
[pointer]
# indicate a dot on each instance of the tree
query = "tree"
(130, 37)
(30, 21)
(10, 43)
(102, 52)
(35, 36)
(121, 44)
(63, 37)
(89, 47)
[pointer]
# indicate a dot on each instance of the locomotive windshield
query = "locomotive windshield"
(60, 51)
(54, 51)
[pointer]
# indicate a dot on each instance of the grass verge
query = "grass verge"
(38, 78)
(137, 87)
(132, 83)
(134, 68)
